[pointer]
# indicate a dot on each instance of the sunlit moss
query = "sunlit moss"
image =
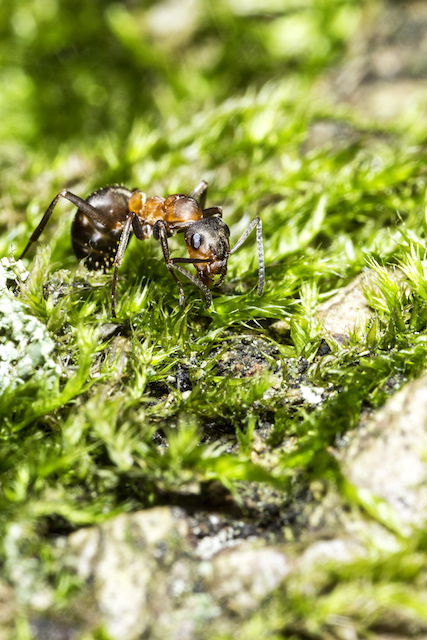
(91, 100)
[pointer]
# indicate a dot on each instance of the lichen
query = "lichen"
(26, 349)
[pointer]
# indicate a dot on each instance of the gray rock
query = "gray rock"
(244, 576)
(146, 578)
(120, 559)
(386, 457)
(348, 311)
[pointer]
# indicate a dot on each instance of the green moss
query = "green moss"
(90, 101)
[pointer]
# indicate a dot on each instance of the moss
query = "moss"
(135, 410)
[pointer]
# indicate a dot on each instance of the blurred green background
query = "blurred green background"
(71, 71)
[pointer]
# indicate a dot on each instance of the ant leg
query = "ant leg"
(222, 276)
(90, 211)
(141, 231)
(190, 260)
(256, 222)
(159, 233)
(212, 211)
(195, 281)
(124, 239)
(200, 192)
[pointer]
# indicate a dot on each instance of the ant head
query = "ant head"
(208, 239)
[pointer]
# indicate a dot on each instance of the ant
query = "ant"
(104, 223)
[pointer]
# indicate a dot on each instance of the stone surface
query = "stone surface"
(120, 559)
(387, 456)
(145, 575)
(348, 310)
(244, 576)
(247, 356)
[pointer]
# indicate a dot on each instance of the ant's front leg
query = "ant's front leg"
(212, 211)
(256, 222)
(84, 206)
(123, 243)
(160, 233)
(200, 193)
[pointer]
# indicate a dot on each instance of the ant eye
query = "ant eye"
(196, 241)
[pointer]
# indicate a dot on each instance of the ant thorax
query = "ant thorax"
(177, 210)
(181, 211)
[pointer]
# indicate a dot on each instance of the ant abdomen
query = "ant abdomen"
(97, 241)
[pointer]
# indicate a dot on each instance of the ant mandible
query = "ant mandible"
(104, 222)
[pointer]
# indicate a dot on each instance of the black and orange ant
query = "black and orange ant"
(104, 222)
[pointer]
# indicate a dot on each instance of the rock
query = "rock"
(243, 577)
(146, 577)
(143, 576)
(386, 457)
(246, 356)
(121, 558)
(348, 311)
(47, 629)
